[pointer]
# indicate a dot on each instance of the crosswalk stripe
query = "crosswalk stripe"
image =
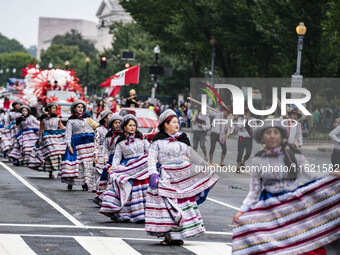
(105, 245)
(202, 248)
(14, 245)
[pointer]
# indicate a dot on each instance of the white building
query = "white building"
(50, 27)
(108, 12)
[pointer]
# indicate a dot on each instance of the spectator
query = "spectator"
(316, 120)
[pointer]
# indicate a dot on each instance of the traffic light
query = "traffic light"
(103, 61)
(127, 65)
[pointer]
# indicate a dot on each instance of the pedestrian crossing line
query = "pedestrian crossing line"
(42, 196)
(203, 248)
(105, 245)
(94, 227)
(14, 245)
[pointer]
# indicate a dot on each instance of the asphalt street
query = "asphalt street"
(39, 215)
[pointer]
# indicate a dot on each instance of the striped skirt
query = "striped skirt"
(291, 222)
(124, 198)
(24, 144)
(47, 156)
(171, 210)
(97, 170)
(8, 137)
(76, 168)
(103, 178)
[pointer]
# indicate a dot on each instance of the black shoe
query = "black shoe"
(69, 187)
(97, 201)
(238, 171)
(85, 188)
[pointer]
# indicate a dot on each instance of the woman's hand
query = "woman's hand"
(70, 149)
(111, 169)
(39, 143)
(95, 160)
(237, 215)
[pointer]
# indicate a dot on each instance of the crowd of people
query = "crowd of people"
(132, 180)
(136, 180)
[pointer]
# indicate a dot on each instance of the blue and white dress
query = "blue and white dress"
(76, 168)
(47, 156)
(99, 138)
(109, 147)
(280, 216)
(171, 209)
(25, 139)
(124, 198)
(11, 130)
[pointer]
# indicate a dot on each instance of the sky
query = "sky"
(19, 19)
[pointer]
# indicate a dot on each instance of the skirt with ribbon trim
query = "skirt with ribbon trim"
(8, 137)
(76, 168)
(124, 198)
(291, 222)
(24, 144)
(172, 209)
(47, 156)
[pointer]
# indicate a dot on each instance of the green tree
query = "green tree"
(74, 38)
(142, 44)
(10, 45)
(14, 60)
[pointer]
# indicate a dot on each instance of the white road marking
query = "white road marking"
(108, 245)
(14, 245)
(221, 203)
(201, 248)
(105, 245)
(93, 227)
(42, 196)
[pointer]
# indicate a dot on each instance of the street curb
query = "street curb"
(323, 149)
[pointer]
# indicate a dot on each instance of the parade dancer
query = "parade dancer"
(220, 131)
(278, 216)
(2, 119)
(99, 137)
(201, 124)
(174, 192)
(2, 123)
(335, 136)
(27, 136)
(77, 162)
(124, 198)
(294, 128)
(245, 139)
(108, 153)
(47, 152)
(8, 135)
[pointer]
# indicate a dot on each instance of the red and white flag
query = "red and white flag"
(122, 78)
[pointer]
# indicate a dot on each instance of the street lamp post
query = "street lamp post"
(213, 42)
(301, 31)
(67, 63)
(156, 50)
(87, 60)
(297, 78)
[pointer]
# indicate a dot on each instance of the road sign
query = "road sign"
(296, 83)
(128, 55)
